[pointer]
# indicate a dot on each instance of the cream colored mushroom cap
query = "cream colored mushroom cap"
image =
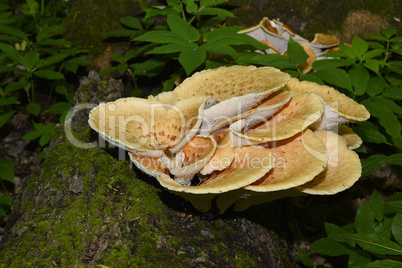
(239, 174)
(300, 112)
(225, 83)
(343, 169)
(352, 139)
(297, 161)
(336, 101)
(144, 126)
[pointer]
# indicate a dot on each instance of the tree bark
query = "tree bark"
(88, 207)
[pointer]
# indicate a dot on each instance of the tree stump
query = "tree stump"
(88, 207)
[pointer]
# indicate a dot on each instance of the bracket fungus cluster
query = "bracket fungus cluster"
(239, 135)
(276, 35)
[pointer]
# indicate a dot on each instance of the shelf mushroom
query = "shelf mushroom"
(238, 135)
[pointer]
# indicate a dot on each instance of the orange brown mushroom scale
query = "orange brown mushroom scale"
(268, 150)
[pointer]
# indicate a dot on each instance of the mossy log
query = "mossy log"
(85, 207)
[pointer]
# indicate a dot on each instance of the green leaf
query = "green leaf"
(375, 244)
(50, 75)
(335, 232)
(378, 37)
(393, 204)
(13, 32)
(116, 57)
(360, 46)
(7, 173)
(397, 228)
(191, 7)
(214, 11)
(8, 162)
(53, 59)
(173, 48)
(296, 53)
(161, 37)
(121, 33)
(369, 132)
(386, 117)
(131, 22)
(149, 68)
(221, 33)
(364, 220)
(41, 127)
(388, 33)
(4, 101)
(183, 28)
(383, 264)
(47, 32)
(122, 67)
(359, 77)
(13, 87)
(383, 229)
(328, 247)
(5, 117)
(60, 108)
(376, 85)
(373, 53)
(54, 42)
(336, 77)
(13, 54)
(31, 60)
(331, 63)
(6, 201)
(373, 65)
(61, 90)
(190, 59)
(350, 52)
(219, 49)
(358, 257)
(33, 108)
(32, 135)
(207, 3)
(372, 163)
(395, 159)
(44, 139)
(377, 205)
(395, 108)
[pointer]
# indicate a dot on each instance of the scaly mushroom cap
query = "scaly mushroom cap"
(223, 156)
(152, 166)
(343, 169)
(324, 40)
(300, 112)
(147, 127)
(249, 165)
(297, 161)
(336, 104)
(352, 139)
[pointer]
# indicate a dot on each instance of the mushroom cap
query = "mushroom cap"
(265, 109)
(324, 40)
(300, 112)
(152, 166)
(148, 127)
(197, 152)
(336, 101)
(352, 139)
(223, 156)
(297, 160)
(249, 165)
(308, 64)
(343, 169)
